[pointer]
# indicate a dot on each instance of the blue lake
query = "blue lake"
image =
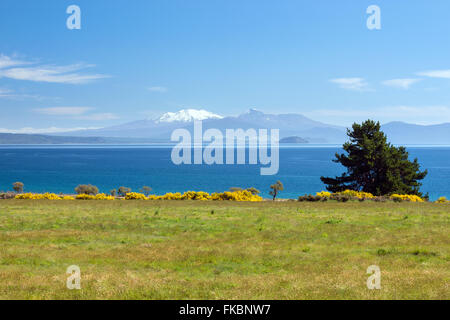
(62, 168)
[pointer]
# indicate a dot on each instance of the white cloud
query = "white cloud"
(400, 83)
(52, 74)
(356, 84)
(6, 62)
(436, 74)
(30, 130)
(10, 94)
(70, 74)
(425, 115)
(63, 111)
(158, 89)
(5, 93)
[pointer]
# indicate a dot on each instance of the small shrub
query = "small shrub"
(242, 195)
(340, 197)
(123, 191)
(323, 194)
(18, 187)
(146, 190)
(135, 196)
(102, 196)
(442, 200)
(85, 197)
(37, 196)
(311, 198)
(356, 195)
(7, 195)
(406, 197)
(86, 189)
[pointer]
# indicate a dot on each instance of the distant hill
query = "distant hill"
(290, 126)
(294, 139)
(406, 133)
(161, 129)
(11, 138)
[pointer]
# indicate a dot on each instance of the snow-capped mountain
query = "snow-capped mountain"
(187, 115)
(290, 125)
(160, 129)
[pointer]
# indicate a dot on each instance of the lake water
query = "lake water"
(62, 168)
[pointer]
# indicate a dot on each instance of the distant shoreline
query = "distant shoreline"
(149, 145)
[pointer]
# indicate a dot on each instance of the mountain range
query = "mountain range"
(160, 129)
(290, 125)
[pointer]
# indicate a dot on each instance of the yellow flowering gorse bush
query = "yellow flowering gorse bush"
(243, 195)
(355, 194)
(102, 196)
(38, 196)
(324, 194)
(135, 196)
(352, 194)
(348, 193)
(442, 200)
(406, 197)
(85, 197)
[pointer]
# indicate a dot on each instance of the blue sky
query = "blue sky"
(137, 59)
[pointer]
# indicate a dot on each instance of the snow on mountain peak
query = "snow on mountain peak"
(188, 115)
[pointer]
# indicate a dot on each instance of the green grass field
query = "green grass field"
(223, 250)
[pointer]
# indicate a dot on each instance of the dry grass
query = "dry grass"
(223, 250)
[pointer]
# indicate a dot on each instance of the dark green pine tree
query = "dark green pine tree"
(374, 165)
